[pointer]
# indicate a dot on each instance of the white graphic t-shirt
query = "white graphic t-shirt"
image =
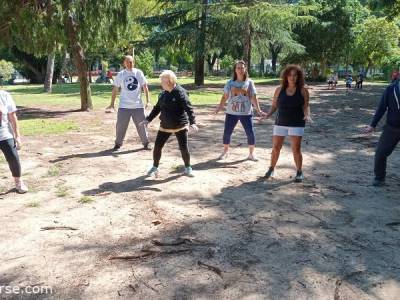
(7, 106)
(131, 83)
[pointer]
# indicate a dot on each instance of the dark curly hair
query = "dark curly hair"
(285, 74)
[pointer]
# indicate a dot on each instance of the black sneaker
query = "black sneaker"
(270, 173)
(116, 147)
(378, 182)
(299, 176)
(147, 147)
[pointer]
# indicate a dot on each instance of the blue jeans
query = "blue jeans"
(247, 123)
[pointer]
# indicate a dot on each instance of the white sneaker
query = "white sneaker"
(252, 157)
(224, 155)
(153, 172)
(188, 172)
(21, 187)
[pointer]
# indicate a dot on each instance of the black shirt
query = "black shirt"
(175, 108)
(290, 109)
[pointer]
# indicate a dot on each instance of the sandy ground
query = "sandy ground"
(225, 234)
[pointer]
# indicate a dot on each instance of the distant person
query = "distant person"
(390, 137)
(331, 81)
(109, 76)
(291, 100)
(360, 79)
(349, 82)
(176, 115)
(10, 139)
(241, 97)
(130, 81)
(335, 80)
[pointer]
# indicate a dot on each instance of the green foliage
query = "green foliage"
(376, 40)
(145, 62)
(6, 70)
(227, 62)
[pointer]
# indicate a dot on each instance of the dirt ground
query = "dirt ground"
(224, 234)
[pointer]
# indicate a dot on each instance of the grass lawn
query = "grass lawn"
(32, 127)
(67, 95)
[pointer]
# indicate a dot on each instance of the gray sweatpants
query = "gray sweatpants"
(123, 118)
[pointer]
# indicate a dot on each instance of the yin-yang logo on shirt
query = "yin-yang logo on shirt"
(131, 83)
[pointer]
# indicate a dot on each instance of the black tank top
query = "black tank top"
(290, 109)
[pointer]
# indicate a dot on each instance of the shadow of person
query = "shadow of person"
(108, 152)
(142, 183)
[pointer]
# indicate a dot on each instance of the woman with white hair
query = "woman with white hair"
(176, 114)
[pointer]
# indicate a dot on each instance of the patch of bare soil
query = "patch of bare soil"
(95, 227)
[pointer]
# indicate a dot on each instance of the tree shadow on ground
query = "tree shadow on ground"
(29, 113)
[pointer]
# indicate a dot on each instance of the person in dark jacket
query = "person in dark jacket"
(390, 137)
(176, 115)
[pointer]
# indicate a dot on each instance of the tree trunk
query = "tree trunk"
(78, 57)
(211, 61)
(48, 81)
(323, 66)
(274, 59)
(262, 65)
(201, 47)
(275, 49)
(247, 47)
(367, 69)
(90, 73)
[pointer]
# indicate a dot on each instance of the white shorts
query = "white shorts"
(288, 131)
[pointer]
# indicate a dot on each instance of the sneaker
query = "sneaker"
(223, 155)
(21, 187)
(299, 176)
(116, 147)
(252, 157)
(378, 182)
(153, 172)
(188, 171)
(270, 173)
(147, 147)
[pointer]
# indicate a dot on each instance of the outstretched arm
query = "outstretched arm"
(274, 105)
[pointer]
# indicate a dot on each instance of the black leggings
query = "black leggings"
(10, 152)
(162, 137)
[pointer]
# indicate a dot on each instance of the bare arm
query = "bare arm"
(146, 93)
(256, 104)
(222, 102)
(12, 117)
(306, 107)
(274, 105)
(114, 94)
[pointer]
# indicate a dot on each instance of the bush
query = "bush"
(145, 62)
(227, 63)
(6, 70)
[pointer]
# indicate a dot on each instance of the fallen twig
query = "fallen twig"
(149, 253)
(211, 268)
(172, 243)
(58, 228)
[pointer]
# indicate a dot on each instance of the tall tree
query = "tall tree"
(36, 26)
(376, 39)
(329, 37)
